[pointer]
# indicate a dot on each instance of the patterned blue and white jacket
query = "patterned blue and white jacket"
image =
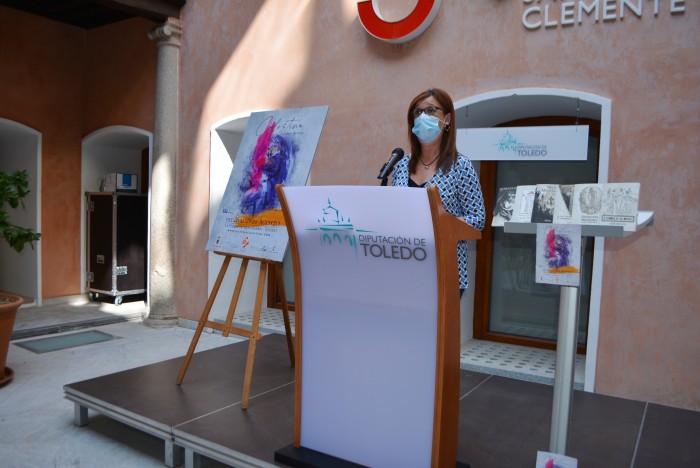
(461, 195)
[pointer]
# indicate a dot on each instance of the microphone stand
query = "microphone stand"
(385, 179)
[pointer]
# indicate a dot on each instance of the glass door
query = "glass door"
(510, 306)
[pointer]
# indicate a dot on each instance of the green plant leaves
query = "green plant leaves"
(13, 188)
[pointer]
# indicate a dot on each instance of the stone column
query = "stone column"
(162, 310)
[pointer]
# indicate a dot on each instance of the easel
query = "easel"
(226, 328)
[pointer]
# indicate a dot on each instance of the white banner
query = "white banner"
(560, 143)
(369, 331)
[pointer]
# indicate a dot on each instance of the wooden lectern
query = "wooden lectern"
(377, 325)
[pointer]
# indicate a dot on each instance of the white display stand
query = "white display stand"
(566, 332)
(377, 323)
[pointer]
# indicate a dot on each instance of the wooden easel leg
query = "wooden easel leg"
(234, 299)
(285, 313)
(253, 336)
(203, 320)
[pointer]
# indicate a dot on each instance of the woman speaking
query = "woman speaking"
(434, 160)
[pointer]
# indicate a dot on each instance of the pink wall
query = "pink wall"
(65, 83)
(120, 74)
(289, 54)
(41, 83)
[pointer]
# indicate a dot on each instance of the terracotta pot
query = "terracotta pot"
(8, 312)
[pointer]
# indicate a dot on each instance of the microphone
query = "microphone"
(386, 169)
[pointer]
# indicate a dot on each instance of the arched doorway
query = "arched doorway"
(20, 149)
(114, 149)
(495, 108)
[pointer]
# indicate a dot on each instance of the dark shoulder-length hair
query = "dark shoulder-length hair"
(448, 147)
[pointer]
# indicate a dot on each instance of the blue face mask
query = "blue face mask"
(426, 128)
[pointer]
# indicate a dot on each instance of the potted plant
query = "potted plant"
(14, 187)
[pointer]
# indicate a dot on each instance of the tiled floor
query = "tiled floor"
(502, 421)
(506, 360)
(518, 362)
(36, 422)
(74, 313)
(535, 365)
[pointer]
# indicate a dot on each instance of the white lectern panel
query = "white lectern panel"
(369, 322)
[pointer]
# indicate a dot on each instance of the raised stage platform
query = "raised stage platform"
(502, 422)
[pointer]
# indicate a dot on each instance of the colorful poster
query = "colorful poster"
(555, 460)
(558, 254)
(278, 147)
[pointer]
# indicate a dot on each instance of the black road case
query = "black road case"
(117, 236)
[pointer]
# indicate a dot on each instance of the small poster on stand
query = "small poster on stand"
(543, 207)
(503, 208)
(555, 460)
(558, 254)
(524, 202)
(613, 204)
(563, 204)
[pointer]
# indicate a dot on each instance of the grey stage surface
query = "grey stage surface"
(502, 422)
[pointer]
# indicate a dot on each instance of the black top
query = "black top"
(411, 183)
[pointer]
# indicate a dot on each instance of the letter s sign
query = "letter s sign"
(400, 31)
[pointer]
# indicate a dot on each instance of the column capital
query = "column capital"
(169, 32)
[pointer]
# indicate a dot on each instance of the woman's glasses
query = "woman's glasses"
(430, 110)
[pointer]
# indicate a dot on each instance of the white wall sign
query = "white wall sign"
(560, 143)
(397, 32)
(550, 14)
